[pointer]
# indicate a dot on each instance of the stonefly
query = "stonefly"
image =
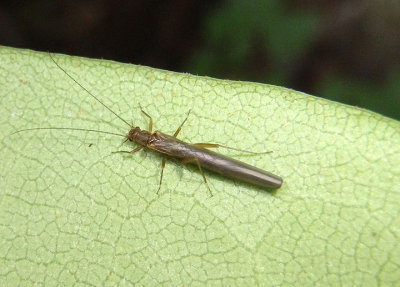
(169, 146)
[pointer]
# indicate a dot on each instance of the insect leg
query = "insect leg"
(151, 120)
(180, 127)
(212, 145)
(138, 148)
(162, 171)
(196, 160)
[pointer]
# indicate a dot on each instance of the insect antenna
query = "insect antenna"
(70, 129)
(93, 96)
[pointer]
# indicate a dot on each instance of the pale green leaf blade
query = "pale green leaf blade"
(72, 212)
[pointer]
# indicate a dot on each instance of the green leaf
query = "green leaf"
(73, 212)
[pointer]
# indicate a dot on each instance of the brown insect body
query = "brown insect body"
(223, 165)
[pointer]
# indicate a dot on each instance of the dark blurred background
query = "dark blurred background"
(348, 51)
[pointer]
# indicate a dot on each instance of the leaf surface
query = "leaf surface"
(71, 211)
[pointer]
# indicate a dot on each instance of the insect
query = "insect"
(169, 146)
